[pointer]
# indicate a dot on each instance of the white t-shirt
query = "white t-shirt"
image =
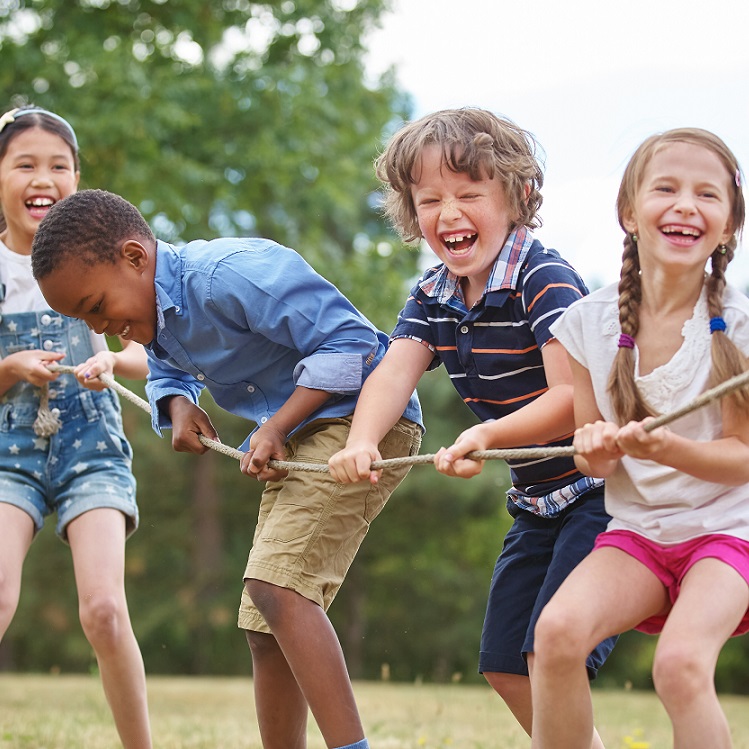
(642, 496)
(22, 292)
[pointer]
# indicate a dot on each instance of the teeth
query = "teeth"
(682, 230)
(125, 331)
(40, 202)
(458, 238)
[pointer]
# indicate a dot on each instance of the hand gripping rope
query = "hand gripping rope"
(734, 383)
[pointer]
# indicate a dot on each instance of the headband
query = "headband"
(13, 114)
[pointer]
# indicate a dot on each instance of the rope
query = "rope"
(522, 453)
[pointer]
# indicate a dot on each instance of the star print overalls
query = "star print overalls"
(87, 463)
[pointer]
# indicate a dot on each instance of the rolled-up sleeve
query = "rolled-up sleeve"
(164, 380)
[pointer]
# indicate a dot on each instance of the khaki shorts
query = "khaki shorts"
(310, 527)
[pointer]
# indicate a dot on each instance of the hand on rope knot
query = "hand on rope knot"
(521, 453)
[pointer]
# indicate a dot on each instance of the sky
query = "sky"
(591, 79)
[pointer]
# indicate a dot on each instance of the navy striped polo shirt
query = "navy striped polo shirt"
(492, 352)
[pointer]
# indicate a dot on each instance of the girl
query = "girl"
(82, 470)
(675, 557)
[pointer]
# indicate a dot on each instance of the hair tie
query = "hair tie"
(717, 323)
(626, 341)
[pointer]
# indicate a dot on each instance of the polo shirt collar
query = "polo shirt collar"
(444, 285)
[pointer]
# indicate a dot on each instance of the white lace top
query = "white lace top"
(653, 500)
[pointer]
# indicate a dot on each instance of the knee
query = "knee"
(559, 639)
(262, 645)
(680, 674)
(101, 615)
(510, 687)
(270, 600)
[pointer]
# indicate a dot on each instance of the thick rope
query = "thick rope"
(522, 453)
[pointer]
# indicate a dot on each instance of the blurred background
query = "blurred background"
(238, 118)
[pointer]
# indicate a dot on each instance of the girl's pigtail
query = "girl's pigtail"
(626, 399)
(728, 359)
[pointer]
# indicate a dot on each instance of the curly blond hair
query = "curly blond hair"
(473, 141)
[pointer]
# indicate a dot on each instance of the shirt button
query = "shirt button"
(250, 388)
(52, 393)
(176, 309)
(263, 419)
(201, 377)
(46, 319)
(48, 345)
(55, 412)
(464, 329)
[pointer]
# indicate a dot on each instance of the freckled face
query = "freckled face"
(112, 298)
(464, 221)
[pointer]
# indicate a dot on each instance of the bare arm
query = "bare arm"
(130, 363)
(720, 461)
(382, 401)
(30, 366)
(548, 417)
(268, 441)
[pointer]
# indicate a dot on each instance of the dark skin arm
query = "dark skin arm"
(267, 442)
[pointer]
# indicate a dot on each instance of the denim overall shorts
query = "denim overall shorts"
(87, 463)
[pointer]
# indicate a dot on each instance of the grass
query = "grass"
(60, 712)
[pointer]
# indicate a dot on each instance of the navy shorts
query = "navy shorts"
(537, 556)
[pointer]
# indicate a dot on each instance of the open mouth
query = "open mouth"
(681, 234)
(38, 206)
(459, 244)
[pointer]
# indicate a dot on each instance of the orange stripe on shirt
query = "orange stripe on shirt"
(526, 396)
(503, 350)
(552, 286)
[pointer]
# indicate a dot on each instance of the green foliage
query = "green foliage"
(231, 117)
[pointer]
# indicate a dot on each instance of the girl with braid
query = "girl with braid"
(674, 559)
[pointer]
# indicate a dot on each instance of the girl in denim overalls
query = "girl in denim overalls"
(62, 447)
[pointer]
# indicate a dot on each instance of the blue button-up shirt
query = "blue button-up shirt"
(250, 320)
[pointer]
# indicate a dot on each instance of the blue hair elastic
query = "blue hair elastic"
(14, 114)
(717, 323)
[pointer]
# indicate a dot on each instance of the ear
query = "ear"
(727, 234)
(526, 192)
(629, 223)
(135, 254)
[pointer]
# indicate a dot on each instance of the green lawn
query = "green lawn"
(69, 712)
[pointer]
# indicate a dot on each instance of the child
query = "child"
(82, 471)
(468, 182)
(675, 557)
(277, 344)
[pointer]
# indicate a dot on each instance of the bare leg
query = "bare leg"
(607, 593)
(280, 705)
(97, 540)
(515, 690)
(313, 655)
(711, 603)
(16, 535)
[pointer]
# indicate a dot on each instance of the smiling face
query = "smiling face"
(113, 298)
(37, 170)
(464, 221)
(682, 208)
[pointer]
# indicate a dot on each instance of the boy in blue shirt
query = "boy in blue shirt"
(468, 183)
(275, 343)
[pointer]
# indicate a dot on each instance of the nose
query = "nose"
(97, 327)
(685, 202)
(450, 210)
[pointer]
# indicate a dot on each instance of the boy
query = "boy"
(277, 344)
(468, 183)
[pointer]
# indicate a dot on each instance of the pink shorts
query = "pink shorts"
(670, 563)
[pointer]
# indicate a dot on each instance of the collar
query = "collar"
(444, 285)
(168, 280)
